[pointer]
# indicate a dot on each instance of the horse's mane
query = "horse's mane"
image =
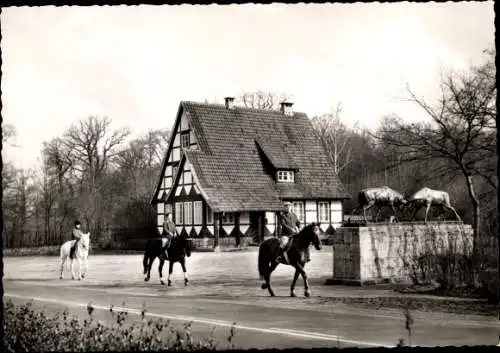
(302, 235)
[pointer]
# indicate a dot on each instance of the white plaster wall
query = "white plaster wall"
(184, 122)
(336, 213)
(311, 212)
(177, 140)
(271, 218)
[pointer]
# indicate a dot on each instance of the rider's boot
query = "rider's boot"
(280, 256)
(73, 249)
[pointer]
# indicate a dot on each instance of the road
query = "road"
(224, 289)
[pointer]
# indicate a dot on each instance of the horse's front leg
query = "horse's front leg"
(366, 208)
(170, 270)
(63, 260)
(85, 266)
(183, 264)
(292, 288)
(300, 269)
(72, 268)
(426, 212)
(79, 261)
(160, 270)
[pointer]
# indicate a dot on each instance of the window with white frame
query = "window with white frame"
(286, 176)
(298, 209)
(185, 140)
(168, 208)
(161, 207)
(161, 220)
(188, 213)
(324, 212)
(178, 213)
(228, 218)
(210, 215)
(198, 212)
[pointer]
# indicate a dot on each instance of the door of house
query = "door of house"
(257, 225)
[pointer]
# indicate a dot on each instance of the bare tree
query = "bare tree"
(462, 130)
(263, 100)
(57, 165)
(9, 134)
(141, 158)
(335, 137)
(92, 145)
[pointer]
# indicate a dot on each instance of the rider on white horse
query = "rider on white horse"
(170, 231)
(290, 225)
(77, 234)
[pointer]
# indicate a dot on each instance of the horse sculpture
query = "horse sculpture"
(296, 255)
(80, 255)
(381, 196)
(157, 248)
(427, 197)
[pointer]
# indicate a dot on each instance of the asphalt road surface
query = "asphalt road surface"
(224, 289)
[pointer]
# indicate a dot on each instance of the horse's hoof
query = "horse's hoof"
(186, 281)
(273, 295)
(162, 283)
(263, 286)
(146, 279)
(61, 277)
(169, 283)
(83, 276)
(292, 294)
(307, 294)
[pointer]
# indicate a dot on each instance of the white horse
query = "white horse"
(81, 255)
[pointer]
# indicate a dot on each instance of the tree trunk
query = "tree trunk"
(476, 265)
(476, 212)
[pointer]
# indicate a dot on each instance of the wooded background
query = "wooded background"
(95, 173)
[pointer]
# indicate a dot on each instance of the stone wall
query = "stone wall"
(379, 252)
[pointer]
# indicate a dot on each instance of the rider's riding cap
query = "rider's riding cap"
(286, 203)
(77, 223)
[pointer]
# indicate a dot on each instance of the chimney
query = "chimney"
(229, 102)
(286, 108)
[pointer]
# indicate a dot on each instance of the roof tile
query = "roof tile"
(233, 172)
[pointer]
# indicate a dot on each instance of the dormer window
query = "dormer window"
(185, 140)
(286, 176)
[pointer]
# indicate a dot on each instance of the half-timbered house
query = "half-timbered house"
(228, 170)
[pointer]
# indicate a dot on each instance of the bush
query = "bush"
(52, 250)
(28, 330)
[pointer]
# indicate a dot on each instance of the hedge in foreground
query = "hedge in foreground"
(29, 330)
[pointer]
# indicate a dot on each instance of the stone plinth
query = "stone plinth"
(378, 253)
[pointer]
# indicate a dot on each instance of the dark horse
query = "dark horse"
(296, 250)
(177, 251)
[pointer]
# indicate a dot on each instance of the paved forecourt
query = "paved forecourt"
(225, 288)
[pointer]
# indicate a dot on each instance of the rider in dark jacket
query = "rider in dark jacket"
(169, 230)
(290, 225)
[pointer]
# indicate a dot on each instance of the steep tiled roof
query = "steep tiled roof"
(240, 149)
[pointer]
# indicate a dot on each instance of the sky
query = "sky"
(134, 64)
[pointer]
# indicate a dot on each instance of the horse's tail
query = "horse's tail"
(188, 248)
(263, 261)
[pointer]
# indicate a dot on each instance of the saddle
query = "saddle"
(283, 257)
